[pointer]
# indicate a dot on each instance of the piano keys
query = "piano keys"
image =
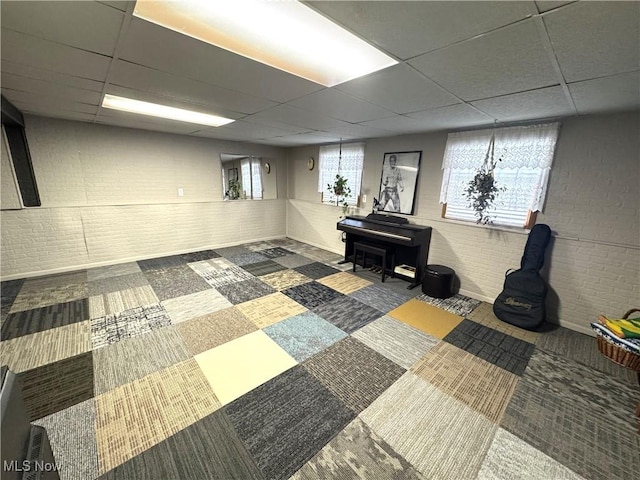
(410, 242)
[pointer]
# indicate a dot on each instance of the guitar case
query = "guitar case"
(522, 300)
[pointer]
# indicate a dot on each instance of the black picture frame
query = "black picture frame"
(399, 181)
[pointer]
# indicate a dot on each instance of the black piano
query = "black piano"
(410, 242)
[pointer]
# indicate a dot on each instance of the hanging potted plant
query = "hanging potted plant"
(482, 190)
(341, 190)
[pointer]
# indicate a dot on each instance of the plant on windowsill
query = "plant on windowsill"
(483, 190)
(341, 190)
(234, 189)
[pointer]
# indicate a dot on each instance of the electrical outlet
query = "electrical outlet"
(181, 192)
(364, 199)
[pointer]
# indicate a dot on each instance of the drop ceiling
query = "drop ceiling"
(461, 65)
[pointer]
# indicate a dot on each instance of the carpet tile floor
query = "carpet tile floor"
(271, 360)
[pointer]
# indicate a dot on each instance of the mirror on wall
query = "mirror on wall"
(247, 177)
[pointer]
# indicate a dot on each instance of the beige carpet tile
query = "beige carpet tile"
(293, 261)
(37, 349)
(512, 458)
(60, 280)
(134, 417)
(120, 301)
(443, 438)
(285, 279)
(267, 310)
(484, 315)
(100, 273)
(220, 271)
(195, 305)
(213, 329)
(32, 296)
(344, 282)
(114, 284)
(240, 365)
(478, 384)
(136, 357)
(431, 320)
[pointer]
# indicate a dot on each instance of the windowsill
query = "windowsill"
(500, 228)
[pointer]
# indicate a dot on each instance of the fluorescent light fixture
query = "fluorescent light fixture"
(284, 34)
(162, 111)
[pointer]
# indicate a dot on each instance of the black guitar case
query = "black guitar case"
(522, 300)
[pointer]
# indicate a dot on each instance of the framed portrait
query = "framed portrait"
(399, 181)
(233, 174)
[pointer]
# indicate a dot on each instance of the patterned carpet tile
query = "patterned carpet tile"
(40, 319)
(379, 297)
(209, 448)
(240, 365)
(195, 305)
(199, 256)
(344, 282)
(220, 271)
(284, 279)
(176, 282)
(110, 271)
(312, 294)
(136, 357)
(320, 255)
(304, 335)
(117, 302)
(439, 436)
(357, 453)
(61, 280)
(286, 421)
(134, 417)
(431, 320)
(276, 252)
(111, 329)
(72, 437)
(114, 284)
(458, 304)
(347, 313)
(38, 349)
(288, 243)
(213, 329)
(260, 245)
(510, 457)
(53, 387)
(161, 263)
(245, 290)
(292, 261)
(395, 340)
(8, 292)
(480, 385)
(581, 438)
(353, 372)
(316, 270)
(248, 258)
(495, 347)
(270, 309)
(483, 314)
(227, 252)
(31, 298)
(263, 268)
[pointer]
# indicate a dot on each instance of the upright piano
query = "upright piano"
(410, 242)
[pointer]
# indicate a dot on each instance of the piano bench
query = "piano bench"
(382, 252)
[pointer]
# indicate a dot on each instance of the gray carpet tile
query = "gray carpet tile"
(346, 313)
(100, 273)
(287, 420)
(199, 256)
(207, 449)
(357, 453)
(53, 387)
(247, 258)
(111, 329)
(161, 263)
(396, 340)
(72, 437)
(581, 438)
(220, 271)
(495, 347)
(264, 268)
(185, 308)
(175, 282)
(103, 286)
(379, 297)
(292, 261)
(230, 251)
(275, 252)
(27, 322)
(311, 294)
(136, 357)
(316, 270)
(395, 284)
(8, 292)
(353, 372)
(51, 290)
(245, 290)
(458, 304)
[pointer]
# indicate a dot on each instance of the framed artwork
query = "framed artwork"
(399, 181)
(233, 174)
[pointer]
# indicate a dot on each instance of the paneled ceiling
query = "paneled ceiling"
(461, 65)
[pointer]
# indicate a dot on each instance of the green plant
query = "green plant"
(340, 189)
(234, 189)
(482, 190)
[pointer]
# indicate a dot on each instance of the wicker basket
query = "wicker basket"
(617, 354)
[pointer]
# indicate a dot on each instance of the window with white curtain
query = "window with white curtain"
(256, 179)
(245, 171)
(526, 155)
(346, 159)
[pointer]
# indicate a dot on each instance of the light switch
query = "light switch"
(181, 192)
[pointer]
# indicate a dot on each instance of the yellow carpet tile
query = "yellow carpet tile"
(483, 314)
(344, 282)
(270, 309)
(432, 320)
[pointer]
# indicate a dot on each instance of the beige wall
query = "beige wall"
(593, 206)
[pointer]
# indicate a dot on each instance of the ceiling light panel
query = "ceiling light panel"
(285, 34)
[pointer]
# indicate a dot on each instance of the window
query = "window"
(526, 155)
(347, 160)
(251, 177)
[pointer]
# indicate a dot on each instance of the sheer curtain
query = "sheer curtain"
(527, 155)
(349, 164)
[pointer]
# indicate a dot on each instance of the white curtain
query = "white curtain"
(527, 155)
(256, 178)
(348, 161)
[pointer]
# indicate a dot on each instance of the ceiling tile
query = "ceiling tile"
(44, 104)
(251, 129)
(407, 29)
(398, 124)
(132, 120)
(505, 61)
(594, 39)
(298, 117)
(120, 5)
(400, 89)
(339, 105)
(542, 103)
(607, 94)
(357, 131)
(546, 5)
(305, 139)
(451, 117)
(36, 73)
(41, 87)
